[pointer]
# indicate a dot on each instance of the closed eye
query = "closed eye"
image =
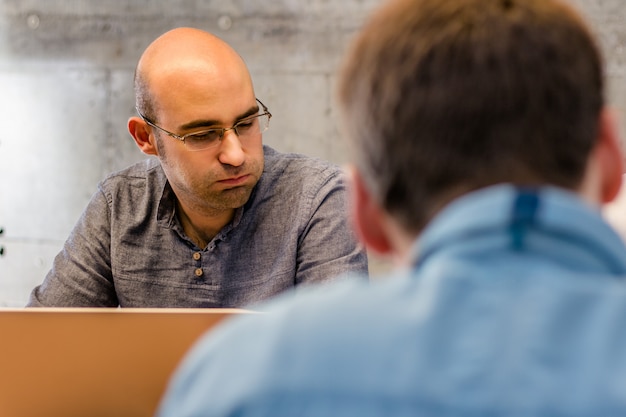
(246, 124)
(206, 136)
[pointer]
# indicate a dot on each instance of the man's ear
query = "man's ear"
(367, 216)
(140, 131)
(608, 154)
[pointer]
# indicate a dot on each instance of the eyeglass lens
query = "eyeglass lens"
(245, 129)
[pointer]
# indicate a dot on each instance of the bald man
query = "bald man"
(217, 219)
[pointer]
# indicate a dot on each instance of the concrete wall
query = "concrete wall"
(66, 71)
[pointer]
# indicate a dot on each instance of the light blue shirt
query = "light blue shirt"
(516, 305)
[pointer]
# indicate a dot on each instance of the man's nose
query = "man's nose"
(231, 151)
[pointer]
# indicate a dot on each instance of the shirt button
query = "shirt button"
(197, 256)
(199, 272)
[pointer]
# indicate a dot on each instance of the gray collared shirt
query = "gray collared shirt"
(129, 249)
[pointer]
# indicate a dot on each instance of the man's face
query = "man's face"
(222, 177)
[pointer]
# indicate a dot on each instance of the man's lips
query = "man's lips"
(235, 180)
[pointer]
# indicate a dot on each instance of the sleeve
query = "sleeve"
(81, 273)
(223, 376)
(328, 247)
(209, 380)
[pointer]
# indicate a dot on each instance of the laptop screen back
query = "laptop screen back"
(93, 362)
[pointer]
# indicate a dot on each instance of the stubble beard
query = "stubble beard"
(219, 200)
(232, 198)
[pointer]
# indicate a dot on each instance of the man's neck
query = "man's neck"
(202, 227)
(401, 242)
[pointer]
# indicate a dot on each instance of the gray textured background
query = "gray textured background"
(66, 71)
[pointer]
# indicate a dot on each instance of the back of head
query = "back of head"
(442, 97)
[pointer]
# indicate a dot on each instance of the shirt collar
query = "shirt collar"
(166, 213)
(510, 211)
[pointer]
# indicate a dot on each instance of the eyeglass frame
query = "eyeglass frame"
(223, 130)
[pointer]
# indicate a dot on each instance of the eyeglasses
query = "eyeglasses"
(247, 128)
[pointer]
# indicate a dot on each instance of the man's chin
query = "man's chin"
(233, 198)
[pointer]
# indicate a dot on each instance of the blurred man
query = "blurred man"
(482, 153)
(217, 219)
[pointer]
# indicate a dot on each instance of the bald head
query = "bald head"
(185, 58)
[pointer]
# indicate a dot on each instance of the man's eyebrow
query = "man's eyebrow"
(208, 123)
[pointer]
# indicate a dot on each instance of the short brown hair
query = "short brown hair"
(144, 102)
(441, 97)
